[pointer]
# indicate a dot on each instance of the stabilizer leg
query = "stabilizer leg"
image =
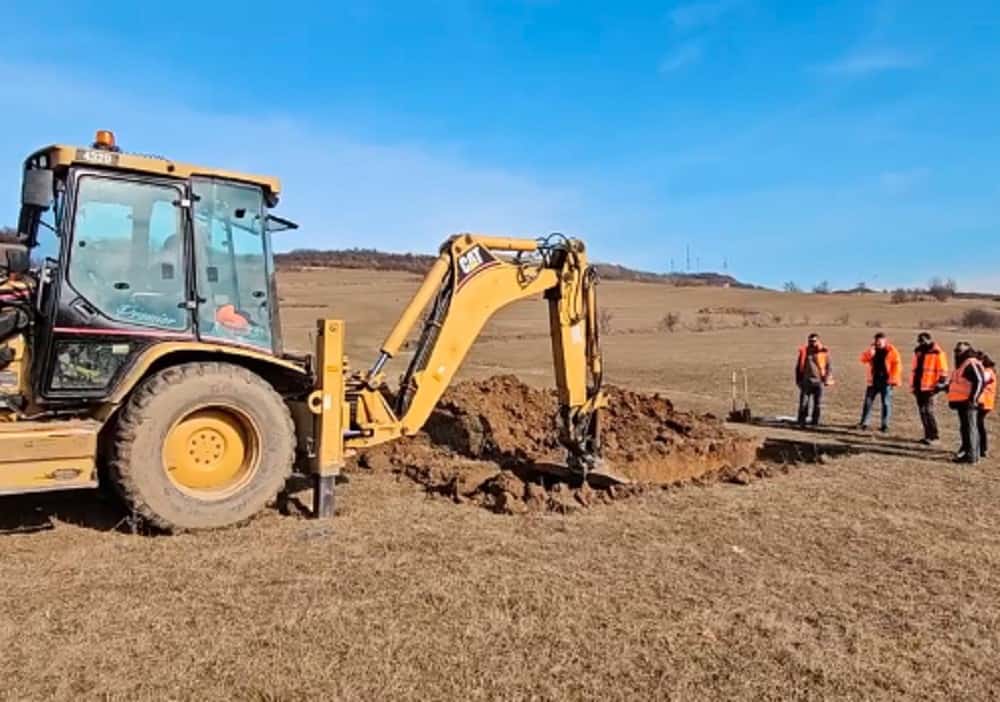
(323, 496)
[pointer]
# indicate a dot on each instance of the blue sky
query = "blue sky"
(840, 140)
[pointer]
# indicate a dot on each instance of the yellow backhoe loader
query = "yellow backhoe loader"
(146, 350)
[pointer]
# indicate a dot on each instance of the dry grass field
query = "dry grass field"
(875, 575)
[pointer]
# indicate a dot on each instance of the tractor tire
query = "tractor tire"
(201, 446)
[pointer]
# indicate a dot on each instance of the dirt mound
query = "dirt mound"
(647, 440)
(490, 440)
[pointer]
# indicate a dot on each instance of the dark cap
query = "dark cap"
(923, 337)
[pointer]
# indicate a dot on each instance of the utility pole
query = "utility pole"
(687, 255)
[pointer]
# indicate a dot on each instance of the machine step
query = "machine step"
(50, 455)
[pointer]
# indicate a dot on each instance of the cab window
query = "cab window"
(126, 255)
(233, 262)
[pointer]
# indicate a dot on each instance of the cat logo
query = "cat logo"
(473, 261)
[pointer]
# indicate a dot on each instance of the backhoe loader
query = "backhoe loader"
(146, 349)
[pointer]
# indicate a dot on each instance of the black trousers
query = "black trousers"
(810, 395)
(981, 426)
(925, 406)
(968, 426)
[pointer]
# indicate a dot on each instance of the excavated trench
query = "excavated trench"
(491, 442)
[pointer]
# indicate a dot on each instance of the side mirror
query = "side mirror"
(279, 224)
(36, 189)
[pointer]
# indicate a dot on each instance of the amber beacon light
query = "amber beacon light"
(105, 139)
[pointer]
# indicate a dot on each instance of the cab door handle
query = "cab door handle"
(192, 304)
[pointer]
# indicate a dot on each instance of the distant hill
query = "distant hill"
(372, 259)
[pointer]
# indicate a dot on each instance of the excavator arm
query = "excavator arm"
(473, 277)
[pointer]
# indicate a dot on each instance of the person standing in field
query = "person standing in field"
(885, 372)
(964, 391)
(929, 377)
(813, 372)
(987, 401)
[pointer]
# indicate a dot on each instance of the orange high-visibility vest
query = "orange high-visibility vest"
(934, 371)
(959, 388)
(893, 364)
(822, 358)
(228, 317)
(988, 399)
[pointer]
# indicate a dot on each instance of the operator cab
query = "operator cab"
(148, 250)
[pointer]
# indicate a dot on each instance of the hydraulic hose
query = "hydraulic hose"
(425, 346)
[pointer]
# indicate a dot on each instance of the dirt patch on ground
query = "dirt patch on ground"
(494, 442)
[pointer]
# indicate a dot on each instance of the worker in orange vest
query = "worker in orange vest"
(987, 401)
(964, 391)
(929, 377)
(813, 372)
(885, 372)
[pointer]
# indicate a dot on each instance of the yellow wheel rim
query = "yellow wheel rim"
(212, 452)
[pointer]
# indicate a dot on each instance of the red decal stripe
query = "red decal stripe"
(95, 331)
(92, 331)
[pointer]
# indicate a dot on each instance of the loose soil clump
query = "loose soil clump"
(489, 443)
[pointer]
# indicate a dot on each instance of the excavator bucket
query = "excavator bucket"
(593, 470)
(599, 478)
(604, 476)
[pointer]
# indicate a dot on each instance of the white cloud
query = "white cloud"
(699, 14)
(343, 190)
(903, 181)
(870, 61)
(684, 55)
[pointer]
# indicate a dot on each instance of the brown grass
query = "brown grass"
(873, 576)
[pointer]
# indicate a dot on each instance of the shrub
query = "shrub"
(941, 289)
(900, 295)
(741, 311)
(979, 318)
(874, 323)
(842, 320)
(822, 288)
(604, 319)
(669, 322)
(778, 319)
(703, 322)
(791, 287)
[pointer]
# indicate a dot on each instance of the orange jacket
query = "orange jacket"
(934, 371)
(229, 317)
(893, 363)
(961, 389)
(822, 360)
(988, 399)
